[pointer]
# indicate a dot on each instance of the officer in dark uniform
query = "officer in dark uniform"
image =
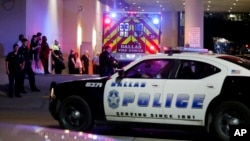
(27, 67)
(14, 65)
(107, 62)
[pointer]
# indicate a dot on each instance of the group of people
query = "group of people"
(103, 63)
(77, 64)
(18, 65)
(19, 62)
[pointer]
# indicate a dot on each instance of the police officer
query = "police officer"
(14, 64)
(27, 67)
(107, 62)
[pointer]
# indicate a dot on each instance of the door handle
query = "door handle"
(210, 86)
(155, 85)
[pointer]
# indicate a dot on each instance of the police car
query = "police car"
(194, 89)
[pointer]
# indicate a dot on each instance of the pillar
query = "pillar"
(194, 19)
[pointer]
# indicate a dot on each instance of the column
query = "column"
(194, 19)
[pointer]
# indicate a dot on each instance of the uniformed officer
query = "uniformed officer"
(107, 62)
(27, 67)
(14, 65)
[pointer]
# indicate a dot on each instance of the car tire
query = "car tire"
(75, 114)
(228, 113)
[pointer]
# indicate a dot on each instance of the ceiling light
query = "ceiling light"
(231, 16)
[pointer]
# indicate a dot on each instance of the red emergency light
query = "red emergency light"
(107, 21)
(152, 48)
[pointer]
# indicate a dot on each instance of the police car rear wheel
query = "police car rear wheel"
(75, 114)
(229, 113)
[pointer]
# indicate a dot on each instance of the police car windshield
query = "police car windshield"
(237, 60)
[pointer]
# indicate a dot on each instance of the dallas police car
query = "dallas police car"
(194, 89)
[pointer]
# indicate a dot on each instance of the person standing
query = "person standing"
(57, 57)
(19, 41)
(34, 49)
(24, 51)
(14, 66)
(78, 64)
(96, 63)
(107, 62)
(71, 61)
(44, 54)
(85, 61)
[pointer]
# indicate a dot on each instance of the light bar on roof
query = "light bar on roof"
(193, 49)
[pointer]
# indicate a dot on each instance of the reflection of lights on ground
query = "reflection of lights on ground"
(66, 131)
(50, 135)
(26, 132)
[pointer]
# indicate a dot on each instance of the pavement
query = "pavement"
(32, 99)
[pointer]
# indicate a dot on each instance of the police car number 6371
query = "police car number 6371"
(192, 89)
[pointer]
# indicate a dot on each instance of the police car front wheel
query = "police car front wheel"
(75, 114)
(227, 114)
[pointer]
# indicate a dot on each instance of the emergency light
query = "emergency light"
(193, 49)
(152, 48)
(156, 21)
(113, 15)
(107, 21)
(186, 49)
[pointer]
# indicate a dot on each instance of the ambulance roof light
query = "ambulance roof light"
(113, 15)
(156, 21)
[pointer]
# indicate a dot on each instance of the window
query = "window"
(124, 29)
(189, 69)
(237, 60)
(155, 68)
(138, 29)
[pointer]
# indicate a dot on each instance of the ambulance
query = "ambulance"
(132, 34)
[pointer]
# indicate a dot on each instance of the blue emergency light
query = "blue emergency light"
(113, 15)
(185, 49)
(193, 49)
(156, 21)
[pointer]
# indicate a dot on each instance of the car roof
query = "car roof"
(183, 54)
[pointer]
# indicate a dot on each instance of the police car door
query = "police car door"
(188, 93)
(137, 96)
